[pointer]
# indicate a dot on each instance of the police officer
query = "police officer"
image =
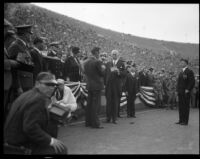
(9, 66)
(19, 51)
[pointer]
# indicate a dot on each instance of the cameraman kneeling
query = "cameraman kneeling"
(27, 121)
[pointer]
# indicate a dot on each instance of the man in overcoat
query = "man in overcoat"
(185, 84)
(93, 69)
(72, 67)
(131, 88)
(115, 73)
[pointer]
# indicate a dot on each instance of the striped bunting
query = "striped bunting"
(123, 100)
(147, 96)
(78, 89)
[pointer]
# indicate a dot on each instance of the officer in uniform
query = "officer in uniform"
(9, 65)
(19, 51)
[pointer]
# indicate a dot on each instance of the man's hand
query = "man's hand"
(67, 79)
(14, 64)
(103, 67)
(186, 91)
(19, 91)
(57, 145)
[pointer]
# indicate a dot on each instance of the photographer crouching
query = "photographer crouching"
(62, 105)
(26, 127)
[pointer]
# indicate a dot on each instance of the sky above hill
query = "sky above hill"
(170, 22)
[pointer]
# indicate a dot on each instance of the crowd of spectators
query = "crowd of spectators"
(53, 27)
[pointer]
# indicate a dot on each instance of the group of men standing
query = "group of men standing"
(24, 59)
(22, 70)
(112, 75)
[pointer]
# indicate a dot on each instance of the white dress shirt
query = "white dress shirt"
(184, 68)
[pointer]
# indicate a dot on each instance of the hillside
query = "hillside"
(57, 27)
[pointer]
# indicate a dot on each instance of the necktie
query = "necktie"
(114, 63)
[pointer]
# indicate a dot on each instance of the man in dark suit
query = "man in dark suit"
(185, 84)
(115, 73)
(130, 87)
(93, 70)
(54, 63)
(37, 56)
(143, 80)
(27, 121)
(72, 67)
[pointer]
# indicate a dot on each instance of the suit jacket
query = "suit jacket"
(143, 79)
(72, 69)
(38, 62)
(130, 84)
(94, 74)
(55, 66)
(186, 80)
(28, 119)
(114, 78)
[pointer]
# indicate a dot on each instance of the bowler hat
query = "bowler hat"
(150, 69)
(38, 40)
(95, 49)
(75, 50)
(133, 65)
(24, 29)
(186, 61)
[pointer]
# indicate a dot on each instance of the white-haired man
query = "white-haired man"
(115, 72)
